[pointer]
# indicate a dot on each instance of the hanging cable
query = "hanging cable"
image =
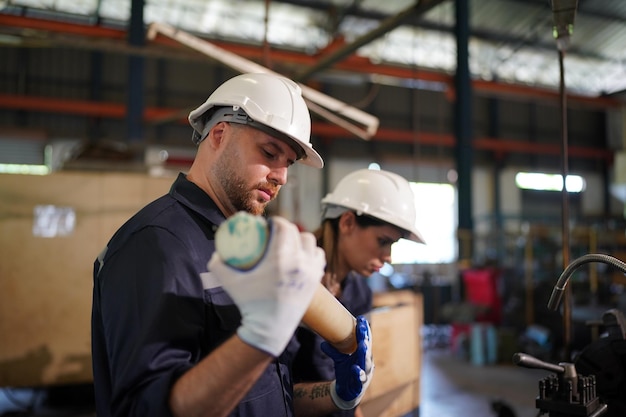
(563, 13)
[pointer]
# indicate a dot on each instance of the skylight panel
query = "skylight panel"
(115, 9)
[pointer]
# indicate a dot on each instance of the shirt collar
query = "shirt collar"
(193, 197)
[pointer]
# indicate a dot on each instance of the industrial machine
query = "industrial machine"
(594, 384)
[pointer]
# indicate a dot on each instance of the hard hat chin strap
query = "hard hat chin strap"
(235, 114)
(332, 211)
(231, 114)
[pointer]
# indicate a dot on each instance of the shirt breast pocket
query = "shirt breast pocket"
(221, 315)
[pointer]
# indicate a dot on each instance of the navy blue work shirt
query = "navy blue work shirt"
(152, 317)
(311, 363)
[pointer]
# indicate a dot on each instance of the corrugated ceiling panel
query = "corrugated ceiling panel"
(512, 38)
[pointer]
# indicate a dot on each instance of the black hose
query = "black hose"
(559, 288)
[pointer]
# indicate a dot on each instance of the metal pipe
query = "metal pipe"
(567, 309)
(464, 150)
(563, 14)
(135, 99)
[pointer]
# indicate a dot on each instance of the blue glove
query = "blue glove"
(353, 372)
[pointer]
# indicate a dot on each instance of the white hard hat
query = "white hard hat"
(268, 102)
(376, 193)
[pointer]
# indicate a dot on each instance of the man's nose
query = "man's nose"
(278, 175)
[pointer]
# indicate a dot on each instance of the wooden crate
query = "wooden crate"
(46, 282)
(396, 322)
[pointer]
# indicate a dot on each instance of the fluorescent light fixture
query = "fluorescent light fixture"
(354, 120)
(24, 169)
(549, 182)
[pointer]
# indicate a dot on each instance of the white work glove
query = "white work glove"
(354, 372)
(274, 295)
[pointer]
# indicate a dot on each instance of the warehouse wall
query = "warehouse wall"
(75, 74)
(170, 82)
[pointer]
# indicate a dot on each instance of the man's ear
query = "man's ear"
(216, 135)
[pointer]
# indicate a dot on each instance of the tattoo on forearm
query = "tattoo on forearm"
(320, 391)
(299, 393)
(313, 391)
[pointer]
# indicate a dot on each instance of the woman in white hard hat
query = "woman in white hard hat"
(365, 214)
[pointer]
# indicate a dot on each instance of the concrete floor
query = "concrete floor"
(453, 387)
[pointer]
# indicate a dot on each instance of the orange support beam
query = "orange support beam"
(157, 114)
(81, 107)
(61, 27)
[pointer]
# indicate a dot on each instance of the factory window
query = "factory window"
(549, 182)
(437, 221)
(24, 169)
(546, 206)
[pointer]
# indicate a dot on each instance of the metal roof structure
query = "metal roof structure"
(511, 41)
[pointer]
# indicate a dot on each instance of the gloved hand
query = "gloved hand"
(273, 296)
(353, 372)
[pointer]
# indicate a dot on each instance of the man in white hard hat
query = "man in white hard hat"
(166, 341)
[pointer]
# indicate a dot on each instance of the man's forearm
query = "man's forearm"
(215, 386)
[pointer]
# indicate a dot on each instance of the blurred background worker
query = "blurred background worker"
(173, 338)
(366, 213)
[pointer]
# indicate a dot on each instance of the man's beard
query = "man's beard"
(235, 187)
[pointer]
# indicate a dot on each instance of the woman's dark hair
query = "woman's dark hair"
(326, 235)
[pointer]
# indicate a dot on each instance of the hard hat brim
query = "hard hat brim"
(311, 157)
